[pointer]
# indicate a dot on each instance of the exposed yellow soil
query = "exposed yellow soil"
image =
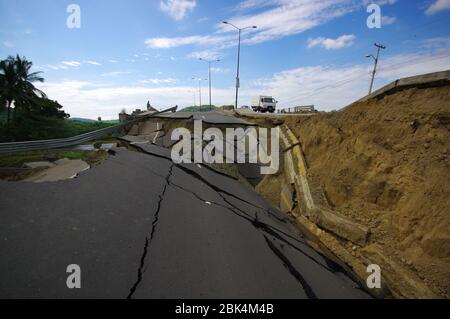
(385, 164)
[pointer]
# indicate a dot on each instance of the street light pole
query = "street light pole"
(379, 47)
(238, 84)
(199, 91)
(209, 71)
(195, 99)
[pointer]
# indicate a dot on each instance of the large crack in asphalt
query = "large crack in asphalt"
(294, 272)
(254, 221)
(148, 239)
(261, 226)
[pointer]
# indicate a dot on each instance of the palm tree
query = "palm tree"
(16, 82)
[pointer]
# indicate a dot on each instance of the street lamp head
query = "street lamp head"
(225, 22)
(254, 27)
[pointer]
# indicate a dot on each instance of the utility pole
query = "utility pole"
(209, 71)
(376, 59)
(238, 84)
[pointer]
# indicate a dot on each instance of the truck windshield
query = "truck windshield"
(268, 100)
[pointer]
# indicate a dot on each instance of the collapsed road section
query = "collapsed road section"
(140, 227)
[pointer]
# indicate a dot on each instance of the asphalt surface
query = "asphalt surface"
(141, 227)
(207, 117)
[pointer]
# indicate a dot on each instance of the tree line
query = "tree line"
(25, 111)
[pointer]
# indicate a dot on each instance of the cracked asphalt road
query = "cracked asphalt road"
(141, 227)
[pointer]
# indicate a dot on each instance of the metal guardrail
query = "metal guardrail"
(14, 147)
(297, 109)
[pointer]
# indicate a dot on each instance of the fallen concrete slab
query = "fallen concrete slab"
(149, 127)
(42, 164)
(64, 169)
(108, 146)
(85, 147)
(135, 139)
(144, 138)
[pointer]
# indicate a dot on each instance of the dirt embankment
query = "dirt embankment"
(385, 164)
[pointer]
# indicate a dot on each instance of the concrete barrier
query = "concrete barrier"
(425, 80)
(286, 198)
(296, 170)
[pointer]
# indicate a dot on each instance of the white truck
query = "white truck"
(264, 104)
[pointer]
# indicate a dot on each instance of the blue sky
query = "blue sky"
(303, 51)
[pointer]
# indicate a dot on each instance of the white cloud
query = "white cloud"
(166, 43)
(208, 55)
(204, 19)
(177, 9)
(93, 63)
(112, 61)
(8, 44)
(343, 41)
(439, 43)
(275, 19)
(219, 70)
(251, 4)
(115, 73)
(71, 63)
(438, 6)
(327, 86)
(379, 2)
(82, 99)
(65, 65)
(387, 20)
(333, 87)
(288, 17)
(159, 81)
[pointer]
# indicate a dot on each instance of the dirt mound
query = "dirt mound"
(385, 163)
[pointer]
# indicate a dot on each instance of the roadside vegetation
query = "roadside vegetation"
(27, 114)
(17, 160)
(203, 108)
(12, 166)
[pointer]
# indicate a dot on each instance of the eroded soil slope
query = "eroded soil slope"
(385, 163)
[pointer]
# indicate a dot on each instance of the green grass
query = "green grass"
(18, 159)
(45, 129)
(73, 128)
(73, 155)
(3, 116)
(204, 108)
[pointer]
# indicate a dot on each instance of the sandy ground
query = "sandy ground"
(385, 163)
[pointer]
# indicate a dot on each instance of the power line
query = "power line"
(348, 80)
